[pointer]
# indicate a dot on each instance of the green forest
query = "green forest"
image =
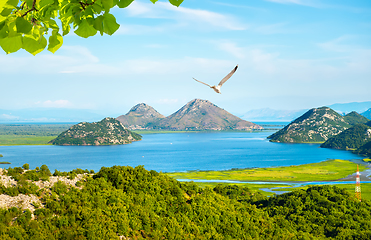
(133, 203)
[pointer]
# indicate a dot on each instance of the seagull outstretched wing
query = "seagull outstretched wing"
(228, 76)
(202, 82)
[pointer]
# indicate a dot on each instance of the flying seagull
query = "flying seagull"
(217, 88)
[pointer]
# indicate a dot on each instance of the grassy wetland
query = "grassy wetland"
(29, 134)
(286, 177)
(323, 171)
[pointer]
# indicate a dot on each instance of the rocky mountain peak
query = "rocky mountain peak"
(145, 111)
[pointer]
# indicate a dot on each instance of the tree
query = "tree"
(26, 166)
(25, 23)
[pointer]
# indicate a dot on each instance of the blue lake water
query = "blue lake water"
(176, 152)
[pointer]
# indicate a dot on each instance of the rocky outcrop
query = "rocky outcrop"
(20, 201)
(141, 116)
(201, 114)
(31, 201)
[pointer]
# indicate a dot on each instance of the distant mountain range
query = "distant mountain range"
(196, 115)
(108, 131)
(49, 115)
(268, 114)
(344, 108)
(367, 114)
(317, 125)
(79, 115)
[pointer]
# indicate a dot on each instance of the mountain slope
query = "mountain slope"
(364, 149)
(354, 118)
(367, 114)
(109, 131)
(316, 125)
(203, 115)
(140, 116)
(351, 138)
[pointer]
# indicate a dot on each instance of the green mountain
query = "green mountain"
(351, 138)
(201, 114)
(108, 131)
(364, 149)
(354, 118)
(316, 125)
(141, 116)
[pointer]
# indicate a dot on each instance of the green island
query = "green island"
(132, 203)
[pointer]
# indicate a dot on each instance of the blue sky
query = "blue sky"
(292, 54)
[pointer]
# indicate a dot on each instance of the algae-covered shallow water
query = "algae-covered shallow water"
(169, 152)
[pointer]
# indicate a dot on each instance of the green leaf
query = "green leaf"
(107, 4)
(34, 46)
(3, 30)
(23, 26)
(11, 44)
(110, 25)
(6, 12)
(55, 42)
(66, 24)
(154, 1)
(97, 8)
(98, 24)
(29, 3)
(176, 2)
(13, 3)
(124, 3)
(85, 30)
(52, 24)
(43, 3)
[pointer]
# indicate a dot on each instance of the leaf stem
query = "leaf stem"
(30, 10)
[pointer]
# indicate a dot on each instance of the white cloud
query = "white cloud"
(299, 2)
(232, 49)
(8, 117)
(185, 17)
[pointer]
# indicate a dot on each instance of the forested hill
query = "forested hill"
(109, 131)
(316, 125)
(352, 138)
(133, 203)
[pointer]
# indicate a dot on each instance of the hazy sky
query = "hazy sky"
(292, 54)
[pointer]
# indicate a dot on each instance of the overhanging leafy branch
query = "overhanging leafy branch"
(24, 23)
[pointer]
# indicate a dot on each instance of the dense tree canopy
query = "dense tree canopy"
(135, 203)
(25, 23)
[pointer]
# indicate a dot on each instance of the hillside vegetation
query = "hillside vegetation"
(351, 138)
(316, 125)
(109, 131)
(133, 203)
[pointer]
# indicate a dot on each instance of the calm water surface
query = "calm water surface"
(176, 152)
